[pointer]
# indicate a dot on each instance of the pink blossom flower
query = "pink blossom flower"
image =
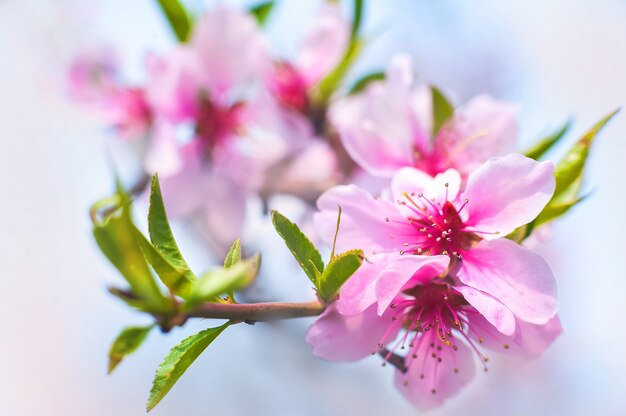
(94, 79)
(389, 126)
(127, 111)
(221, 130)
(319, 52)
(431, 216)
(437, 331)
(91, 75)
(440, 273)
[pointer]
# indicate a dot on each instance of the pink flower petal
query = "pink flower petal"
(481, 129)
(439, 377)
(324, 43)
(336, 337)
(363, 222)
(216, 36)
(174, 84)
(408, 268)
(359, 291)
(415, 182)
(529, 341)
(507, 192)
(378, 128)
(225, 211)
(514, 275)
(498, 315)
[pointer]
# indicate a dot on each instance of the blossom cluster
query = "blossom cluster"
(441, 282)
(425, 200)
(222, 118)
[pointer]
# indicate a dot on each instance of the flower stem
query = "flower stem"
(257, 312)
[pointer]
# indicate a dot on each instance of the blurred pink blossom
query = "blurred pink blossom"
(221, 130)
(389, 126)
(92, 74)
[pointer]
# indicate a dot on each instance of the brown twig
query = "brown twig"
(257, 312)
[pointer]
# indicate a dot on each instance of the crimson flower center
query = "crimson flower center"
(215, 123)
(433, 316)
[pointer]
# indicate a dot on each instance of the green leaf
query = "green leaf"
(443, 110)
(328, 85)
(177, 17)
(570, 167)
(357, 18)
(300, 246)
(116, 240)
(544, 145)
(128, 297)
(176, 279)
(219, 281)
(262, 11)
(338, 271)
(234, 254)
(178, 361)
(555, 210)
(126, 343)
(365, 81)
(569, 177)
(161, 233)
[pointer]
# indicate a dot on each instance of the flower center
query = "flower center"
(289, 87)
(440, 229)
(433, 317)
(216, 123)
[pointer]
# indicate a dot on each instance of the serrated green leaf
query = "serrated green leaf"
(175, 279)
(569, 177)
(262, 12)
(177, 17)
(544, 145)
(443, 110)
(305, 253)
(178, 361)
(364, 81)
(234, 254)
(223, 280)
(126, 343)
(570, 167)
(161, 233)
(116, 240)
(338, 271)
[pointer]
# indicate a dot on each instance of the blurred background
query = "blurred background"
(556, 58)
